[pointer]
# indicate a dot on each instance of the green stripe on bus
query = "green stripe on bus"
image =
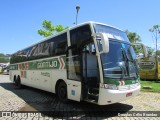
(53, 63)
(117, 82)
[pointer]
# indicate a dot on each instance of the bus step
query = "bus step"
(93, 97)
(94, 91)
(91, 101)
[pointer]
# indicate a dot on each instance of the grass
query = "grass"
(154, 84)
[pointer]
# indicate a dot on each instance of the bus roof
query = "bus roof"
(92, 23)
(70, 28)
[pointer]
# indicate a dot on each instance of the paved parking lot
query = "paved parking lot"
(28, 99)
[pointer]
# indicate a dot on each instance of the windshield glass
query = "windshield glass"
(120, 62)
(111, 32)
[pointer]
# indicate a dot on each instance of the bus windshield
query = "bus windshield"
(120, 61)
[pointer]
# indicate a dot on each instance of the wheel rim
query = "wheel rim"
(62, 92)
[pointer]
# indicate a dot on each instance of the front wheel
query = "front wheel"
(62, 92)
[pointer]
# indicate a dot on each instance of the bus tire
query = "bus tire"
(18, 82)
(62, 92)
(14, 79)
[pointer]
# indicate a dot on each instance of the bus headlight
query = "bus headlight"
(110, 86)
(138, 84)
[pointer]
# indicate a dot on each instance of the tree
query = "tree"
(158, 52)
(50, 29)
(133, 37)
(155, 30)
(150, 51)
(4, 58)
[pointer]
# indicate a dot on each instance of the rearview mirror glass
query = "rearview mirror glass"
(102, 42)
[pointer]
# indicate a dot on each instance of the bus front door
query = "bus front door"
(90, 74)
(73, 74)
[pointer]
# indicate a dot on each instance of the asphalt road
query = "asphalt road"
(30, 103)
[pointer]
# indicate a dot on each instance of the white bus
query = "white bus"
(92, 62)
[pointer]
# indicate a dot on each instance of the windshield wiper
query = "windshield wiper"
(122, 69)
(126, 60)
(136, 67)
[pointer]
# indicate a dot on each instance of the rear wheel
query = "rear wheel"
(62, 92)
(18, 82)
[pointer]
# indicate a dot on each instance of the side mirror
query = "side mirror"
(103, 42)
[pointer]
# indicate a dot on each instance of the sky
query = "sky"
(20, 19)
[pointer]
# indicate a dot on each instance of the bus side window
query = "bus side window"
(51, 47)
(61, 44)
(61, 48)
(79, 35)
(58, 45)
(53, 44)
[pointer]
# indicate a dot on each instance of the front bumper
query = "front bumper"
(108, 96)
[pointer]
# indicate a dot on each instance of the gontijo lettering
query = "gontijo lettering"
(47, 64)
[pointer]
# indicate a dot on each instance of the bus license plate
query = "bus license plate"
(129, 94)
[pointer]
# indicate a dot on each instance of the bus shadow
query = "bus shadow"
(48, 104)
